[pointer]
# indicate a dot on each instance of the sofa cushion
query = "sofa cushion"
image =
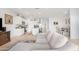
(57, 40)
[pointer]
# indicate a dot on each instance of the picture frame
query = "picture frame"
(8, 19)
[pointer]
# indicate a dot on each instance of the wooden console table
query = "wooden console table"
(4, 37)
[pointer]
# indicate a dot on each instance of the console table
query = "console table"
(4, 37)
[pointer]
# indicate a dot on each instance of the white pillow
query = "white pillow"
(57, 40)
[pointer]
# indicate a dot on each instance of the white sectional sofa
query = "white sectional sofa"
(54, 41)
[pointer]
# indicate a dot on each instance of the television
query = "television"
(0, 23)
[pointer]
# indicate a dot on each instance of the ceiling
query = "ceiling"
(40, 12)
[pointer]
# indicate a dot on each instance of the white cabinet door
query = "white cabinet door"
(18, 32)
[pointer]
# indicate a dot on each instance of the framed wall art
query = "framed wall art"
(8, 19)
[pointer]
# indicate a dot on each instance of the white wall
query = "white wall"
(1, 12)
(74, 21)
